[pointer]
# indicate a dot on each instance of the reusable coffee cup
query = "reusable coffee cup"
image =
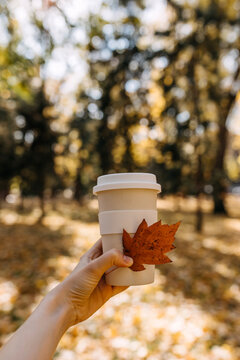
(125, 199)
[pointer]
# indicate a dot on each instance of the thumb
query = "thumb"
(107, 260)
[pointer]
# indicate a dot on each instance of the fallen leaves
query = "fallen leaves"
(191, 312)
(149, 244)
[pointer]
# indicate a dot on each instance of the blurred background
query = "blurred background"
(105, 86)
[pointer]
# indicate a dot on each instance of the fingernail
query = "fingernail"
(127, 259)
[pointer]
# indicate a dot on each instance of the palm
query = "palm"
(88, 293)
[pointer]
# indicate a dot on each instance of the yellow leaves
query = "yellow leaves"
(144, 143)
(229, 8)
(65, 164)
(22, 91)
(115, 92)
(117, 316)
(49, 111)
(233, 292)
(185, 170)
(223, 352)
(176, 316)
(5, 73)
(73, 135)
(204, 4)
(8, 294)
(58, 149)
(156, 74)
(156, 100)
(212, 31)
(84, 154)
(118, 149)
(74, 331)
(63, 140)
(5, 94)
(39, 283)
(4, 56)
(6, 324)
(236, 142)
(113, 331)
(168, 80)
(137, 319)
(233, 169)
(238, 97)
(68, 341)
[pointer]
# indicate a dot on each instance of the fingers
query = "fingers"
(95, 251)
(114, 289)
(118, 289)
(97, 245)
(107, 260)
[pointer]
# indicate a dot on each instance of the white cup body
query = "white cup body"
(113, 222)
(127, 199)
(124, 201)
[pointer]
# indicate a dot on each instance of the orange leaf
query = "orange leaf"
(149, 244)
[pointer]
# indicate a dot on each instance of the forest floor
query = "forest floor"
(191, 312)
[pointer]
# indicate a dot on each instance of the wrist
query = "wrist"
(58, 307)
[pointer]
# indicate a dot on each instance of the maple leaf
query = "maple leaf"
(149, 244)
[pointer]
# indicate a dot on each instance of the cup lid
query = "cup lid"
(126, 181)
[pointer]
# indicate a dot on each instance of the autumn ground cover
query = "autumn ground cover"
(191, 312)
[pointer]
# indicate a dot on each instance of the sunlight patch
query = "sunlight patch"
(8, 294)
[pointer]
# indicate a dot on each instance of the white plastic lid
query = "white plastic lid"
(126, 181)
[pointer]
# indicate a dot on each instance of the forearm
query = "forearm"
(38, 337)
(80, 295)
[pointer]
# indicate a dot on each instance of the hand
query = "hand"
(74, 300)
(84, 291)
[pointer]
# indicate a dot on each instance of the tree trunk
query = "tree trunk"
(78, 193)
(219, 185)
(199, 217)
(42, 207)
(41, 189)
(106, 138)
(199, 184)
(128, 161)
(219, 207)
(21, 204)
(3, 193)
(199, 174)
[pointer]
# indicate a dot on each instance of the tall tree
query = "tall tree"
(36, 159)
(116, 65)
(200, 85)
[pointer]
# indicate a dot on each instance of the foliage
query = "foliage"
(153, 96)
